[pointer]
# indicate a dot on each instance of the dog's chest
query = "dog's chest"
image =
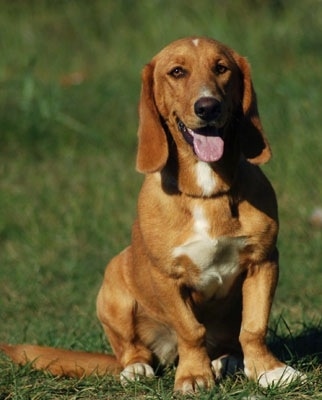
(213, 262)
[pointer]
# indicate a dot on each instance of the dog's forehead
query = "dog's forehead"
(183, 50)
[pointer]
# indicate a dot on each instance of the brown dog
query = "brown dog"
(198, 279)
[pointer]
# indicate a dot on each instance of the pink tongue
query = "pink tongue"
(208, 148)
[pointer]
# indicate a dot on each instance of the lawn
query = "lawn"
(69, 88)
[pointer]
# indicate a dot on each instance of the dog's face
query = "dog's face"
(201, 90)
(197, 87)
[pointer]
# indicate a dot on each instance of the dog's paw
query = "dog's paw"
(136, 371)
(193, 379)
(226, 365)
(193, 384)
(281, 376)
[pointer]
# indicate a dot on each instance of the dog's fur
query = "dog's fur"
(198, 280)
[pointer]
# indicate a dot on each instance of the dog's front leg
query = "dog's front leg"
(194, 367)
(258, 291)
(193, 371)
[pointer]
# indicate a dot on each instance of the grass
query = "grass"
(69, 86)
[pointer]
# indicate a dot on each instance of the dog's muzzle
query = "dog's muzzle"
(207, 142)
(208, 108)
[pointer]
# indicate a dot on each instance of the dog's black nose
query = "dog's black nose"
(207, 108)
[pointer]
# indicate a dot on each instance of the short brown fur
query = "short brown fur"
(198, 280)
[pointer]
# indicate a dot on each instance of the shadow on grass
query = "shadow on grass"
(304, 346)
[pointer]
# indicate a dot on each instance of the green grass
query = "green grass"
(68, 186)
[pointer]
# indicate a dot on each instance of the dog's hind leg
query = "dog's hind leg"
(116, 310)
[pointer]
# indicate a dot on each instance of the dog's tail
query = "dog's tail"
(60, 362)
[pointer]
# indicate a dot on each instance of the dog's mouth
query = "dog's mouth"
(207, 142)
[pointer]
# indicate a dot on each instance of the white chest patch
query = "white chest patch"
(216, 258)
(205, 178)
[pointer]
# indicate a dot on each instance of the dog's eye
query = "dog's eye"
(220, 69)
(178, 72)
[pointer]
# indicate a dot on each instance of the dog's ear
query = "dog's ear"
(254, 144)
(152, 151)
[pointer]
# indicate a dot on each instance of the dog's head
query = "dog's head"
(202, 91)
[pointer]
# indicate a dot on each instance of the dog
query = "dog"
(196, 285)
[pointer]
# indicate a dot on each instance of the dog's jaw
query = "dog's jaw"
(196, 177)
(207, 141)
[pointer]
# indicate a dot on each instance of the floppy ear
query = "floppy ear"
(152, 153)
(254, 144)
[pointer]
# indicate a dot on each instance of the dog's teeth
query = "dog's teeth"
(181, 125)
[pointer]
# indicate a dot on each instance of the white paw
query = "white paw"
(136, 371)
(226, 365)
(281, 376)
